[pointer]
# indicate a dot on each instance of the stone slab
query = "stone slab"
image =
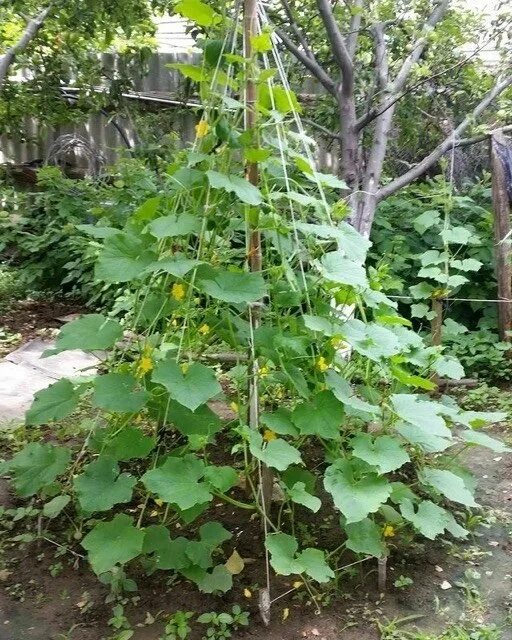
(18, 384)
(68, 364)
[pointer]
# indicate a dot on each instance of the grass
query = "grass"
(391, 630)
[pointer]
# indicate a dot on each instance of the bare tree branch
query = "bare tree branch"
(339, 48)
(323, 130)
(355, 26)
(26, 38)
(310, 63)
(447, 144)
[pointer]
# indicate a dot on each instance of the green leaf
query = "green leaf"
(343, 392)
(426, 220)
(276, 453)
(314, 565)
(231, 286)
(101, 486)
(456, 281)
(355, 491)
(213, 534)
(456, 235)
(323, 325)
(53, 403)
(191, 389)
(53, 508)
(124, 257)
(93, 332)
(114, 542)
(178, 481)
(365, 537)
(321, 416)
(177, 266)
(424, 414)
(430, 519)
(182, 224)
(36, 466)
(299, 494)
(192, 71)
(201, 422)
(222, 478)
(243, 189)
(283, 549)
(261, 42)
(334, 266)
(482, 439)
(449, 366)
(117, 392)
(129, 443)
(147, 210)
(197, 11)
(218, 580)
(383, 452)
(449, 485)
(422, 310)
(280, 421)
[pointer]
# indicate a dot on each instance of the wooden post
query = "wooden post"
(436, 330)
(254, 254)
(502, 254)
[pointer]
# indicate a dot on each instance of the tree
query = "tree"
(57, 43)
(367, 93)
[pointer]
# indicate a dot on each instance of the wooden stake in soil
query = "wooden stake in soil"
(501, 208)
(254, 245)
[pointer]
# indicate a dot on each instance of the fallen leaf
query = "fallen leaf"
(247, 593)
(286, 613)
(235, 564)
(445, 585)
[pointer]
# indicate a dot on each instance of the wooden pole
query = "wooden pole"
(502, 254)
(436, 330)
(254, 256)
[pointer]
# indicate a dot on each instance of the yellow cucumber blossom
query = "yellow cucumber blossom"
(269, 435)
(178, 291)
(321, 364)
(264, 371)
(202, 128)
(204, 329)
(145, 365)
(388, 531)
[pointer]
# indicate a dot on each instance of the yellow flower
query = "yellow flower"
(338, 343)
(144, 366)
(388, 531)
(202, 128)
(178, 291)
(233, 406)
(204, 329)
(269, 435)
(298, 584)
(247, 593)
(264, 371)
(321, 364)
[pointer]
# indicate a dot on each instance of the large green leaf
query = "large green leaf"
(449, 485)
(334, 266)
(355, 491)
(221, 478)
(383, 452)
(285, 561)
(181, 224)
(299, 495)
(424, 414)
(484, 440)
(53, 403)
(276, 453)
(430, 519)
(344, 393)
(101, 486)
(218, 580)
(124, 257)
(128, 443)
(92, 332)
(321, 416)
(197, 11)
(230, 286)
(114, 542)
(117, 392)
(244, 190)
(191, 388)
(36, 466)
(178, 481)
(201, 422)
(280, 422)
(365, 537)
(177, 266)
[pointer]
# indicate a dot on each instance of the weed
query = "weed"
(402, 582)
(177, 626)
(222, 625)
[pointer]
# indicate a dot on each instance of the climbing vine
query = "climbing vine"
(355, 436)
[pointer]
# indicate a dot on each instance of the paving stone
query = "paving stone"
(68, 364)
(18, 384)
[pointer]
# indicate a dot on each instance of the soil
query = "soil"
(30, 318)
(35, 605)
